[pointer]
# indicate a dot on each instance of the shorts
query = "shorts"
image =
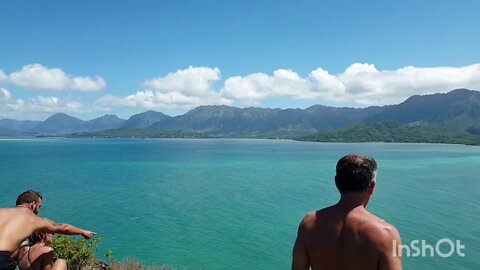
(6, 262)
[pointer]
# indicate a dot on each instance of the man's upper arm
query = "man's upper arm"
(300, 259)
(45, 225)
(390, 257)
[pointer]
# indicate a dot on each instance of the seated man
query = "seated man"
(346, 236)
(16, 224)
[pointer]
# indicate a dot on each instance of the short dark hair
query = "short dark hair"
(355, 173)
(28, 196)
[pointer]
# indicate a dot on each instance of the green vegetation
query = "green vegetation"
(138, 133)
(455, 131)
(80, 254)
(394, 132)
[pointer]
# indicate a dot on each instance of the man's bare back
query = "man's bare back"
(16, 224)
(346, 236)
(339, 238)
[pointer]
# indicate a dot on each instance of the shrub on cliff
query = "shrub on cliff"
(78, 253)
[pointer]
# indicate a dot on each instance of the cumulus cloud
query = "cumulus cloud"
(39, 107)
(361, 84)
(3, 76)
(150, 100)
(253, 88)
(4, 95)
(372, 87)
(38, 77)
(186, 88)
(193, 81)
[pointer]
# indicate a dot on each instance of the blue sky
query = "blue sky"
(90, 58)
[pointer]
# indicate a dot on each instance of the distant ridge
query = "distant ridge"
(57, 124)
(61, 124)
(457, 114)
(109, 121)
(11, 127)
(145, 119)
(434, 108)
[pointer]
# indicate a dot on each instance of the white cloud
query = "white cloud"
(149, 100)
(3, 76)
(360, 84)
(253, 88)
(387, 87)
(47, 106)
(47, 101)
(358, 68)
(88, 84)
(193, 81)
(39, 107)
(38, 77)
(330, 86)
(187, 88)
(4, 95)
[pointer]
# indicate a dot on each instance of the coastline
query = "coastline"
(21, 138)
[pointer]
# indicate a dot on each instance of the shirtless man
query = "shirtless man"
(345, 235)
(16, 224)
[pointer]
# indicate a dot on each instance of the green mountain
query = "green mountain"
(225, 121)
(453, 117)
(395, 132)
(144, 120)
(61, 124)
(11, 127)
(57, 124)
(458, 104)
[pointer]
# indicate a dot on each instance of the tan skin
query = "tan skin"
(39, 256)
(346, 236)
(16, 224)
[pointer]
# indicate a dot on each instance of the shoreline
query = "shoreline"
(22, 138)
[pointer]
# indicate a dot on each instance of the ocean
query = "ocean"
(236, 204)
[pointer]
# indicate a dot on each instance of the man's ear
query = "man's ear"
(372, 187)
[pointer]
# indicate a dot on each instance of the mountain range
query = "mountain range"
(457, 110)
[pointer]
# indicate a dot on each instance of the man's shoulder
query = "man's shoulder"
(381, 232)
(7, 209)
(312, 218)
(308, 219)
(14, 212)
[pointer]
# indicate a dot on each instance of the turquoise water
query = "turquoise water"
(236, 204)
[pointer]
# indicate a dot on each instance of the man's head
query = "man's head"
(356, 173)
(31, 199)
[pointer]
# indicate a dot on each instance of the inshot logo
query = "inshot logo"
(419, 248)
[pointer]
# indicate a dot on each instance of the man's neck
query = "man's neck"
(23, 206)
(349, 201)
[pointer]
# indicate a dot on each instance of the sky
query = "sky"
(90, 58)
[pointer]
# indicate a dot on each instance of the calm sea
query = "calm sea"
(236, 204)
